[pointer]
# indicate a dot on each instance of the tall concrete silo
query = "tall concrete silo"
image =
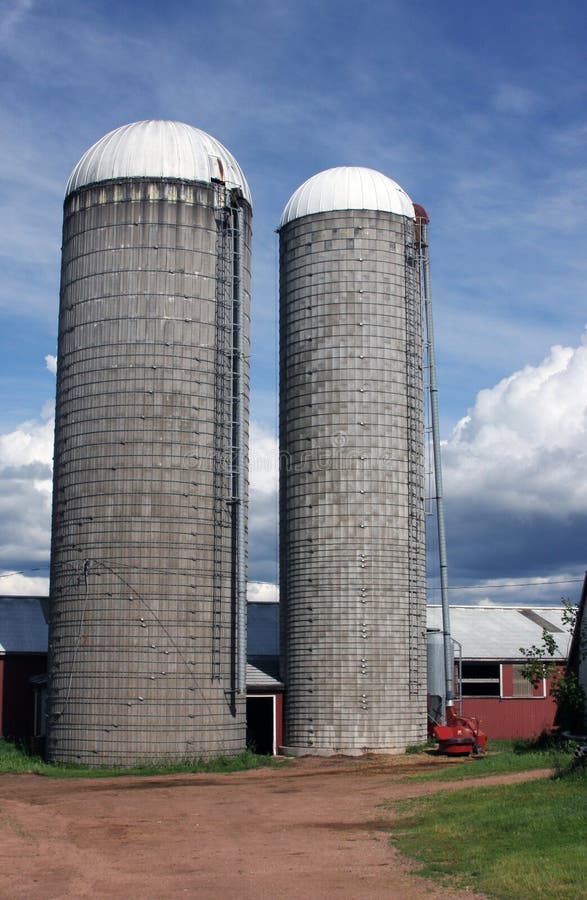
(148, 562)
(352, 447)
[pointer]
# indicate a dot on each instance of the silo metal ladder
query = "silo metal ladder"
(413, 314)
(222, 462)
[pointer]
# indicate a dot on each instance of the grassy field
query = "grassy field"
(15, 760)
(517, 842)
(503, 757)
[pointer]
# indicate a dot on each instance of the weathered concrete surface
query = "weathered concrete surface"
(142, 630)
(352, 448)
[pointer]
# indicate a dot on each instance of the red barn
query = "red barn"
(488, 640)
(23, 654)
(264, 688)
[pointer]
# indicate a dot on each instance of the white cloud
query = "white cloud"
(263, 507)
(524, 591)
(263, 462)
(262, 592)
(17, 585)
(25, 496)
(25, 503)
(51, 363)
(523, 446)
(515, 480)
(29, 445)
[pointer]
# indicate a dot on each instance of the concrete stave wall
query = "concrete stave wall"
(136, 452)
(353, 630)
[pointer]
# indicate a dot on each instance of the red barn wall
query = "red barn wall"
(2, 659)
(507, 718)
(279, 720)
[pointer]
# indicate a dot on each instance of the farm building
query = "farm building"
(264, 688)
(23, 668)
(23, 655)
(578, 648)
(488, 641)
(490, 638)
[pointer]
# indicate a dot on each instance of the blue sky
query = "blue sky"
(479, 111)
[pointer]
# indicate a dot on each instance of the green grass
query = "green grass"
(504, 757)
(517, 842)
(419, 748)
(14, 759)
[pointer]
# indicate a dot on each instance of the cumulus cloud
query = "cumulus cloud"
(51, 363)
(530, 591)
(515, 478)
(29, 445)
(25, 505)
(523, 445)
(515, 472)
(25, 495)
(16, 585)
(263, 462)
(262, 592)
(263, 508)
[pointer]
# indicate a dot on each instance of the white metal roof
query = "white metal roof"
(258, 676)
(23, 628)
(498, 632)
(347, 187)
(158, 149)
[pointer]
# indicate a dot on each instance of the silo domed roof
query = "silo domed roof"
(347, 187)
(158, 149)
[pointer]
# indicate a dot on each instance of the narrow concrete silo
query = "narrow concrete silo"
(148, 558)
(351, 483)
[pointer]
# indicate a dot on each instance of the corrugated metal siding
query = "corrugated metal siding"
(157, 149)
(347, 187)
(498, 632)
(259, 678)
(133, 551)
(23, 628)
(507, 719)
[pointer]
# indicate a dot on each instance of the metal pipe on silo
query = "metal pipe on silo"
(240, 497)
(352, 572)
(433, 391)
(436, 676)
(153, 381)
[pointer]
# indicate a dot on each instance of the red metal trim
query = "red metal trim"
(1, 695)
(279, 720)
(421, 213)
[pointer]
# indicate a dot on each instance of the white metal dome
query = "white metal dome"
(158, 149)
(347, 187)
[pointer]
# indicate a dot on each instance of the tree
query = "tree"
(565, 689)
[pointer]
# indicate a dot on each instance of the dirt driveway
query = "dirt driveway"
(311, 828)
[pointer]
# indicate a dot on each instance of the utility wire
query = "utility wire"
(25, 571)
(513, 584)
(468, 587)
